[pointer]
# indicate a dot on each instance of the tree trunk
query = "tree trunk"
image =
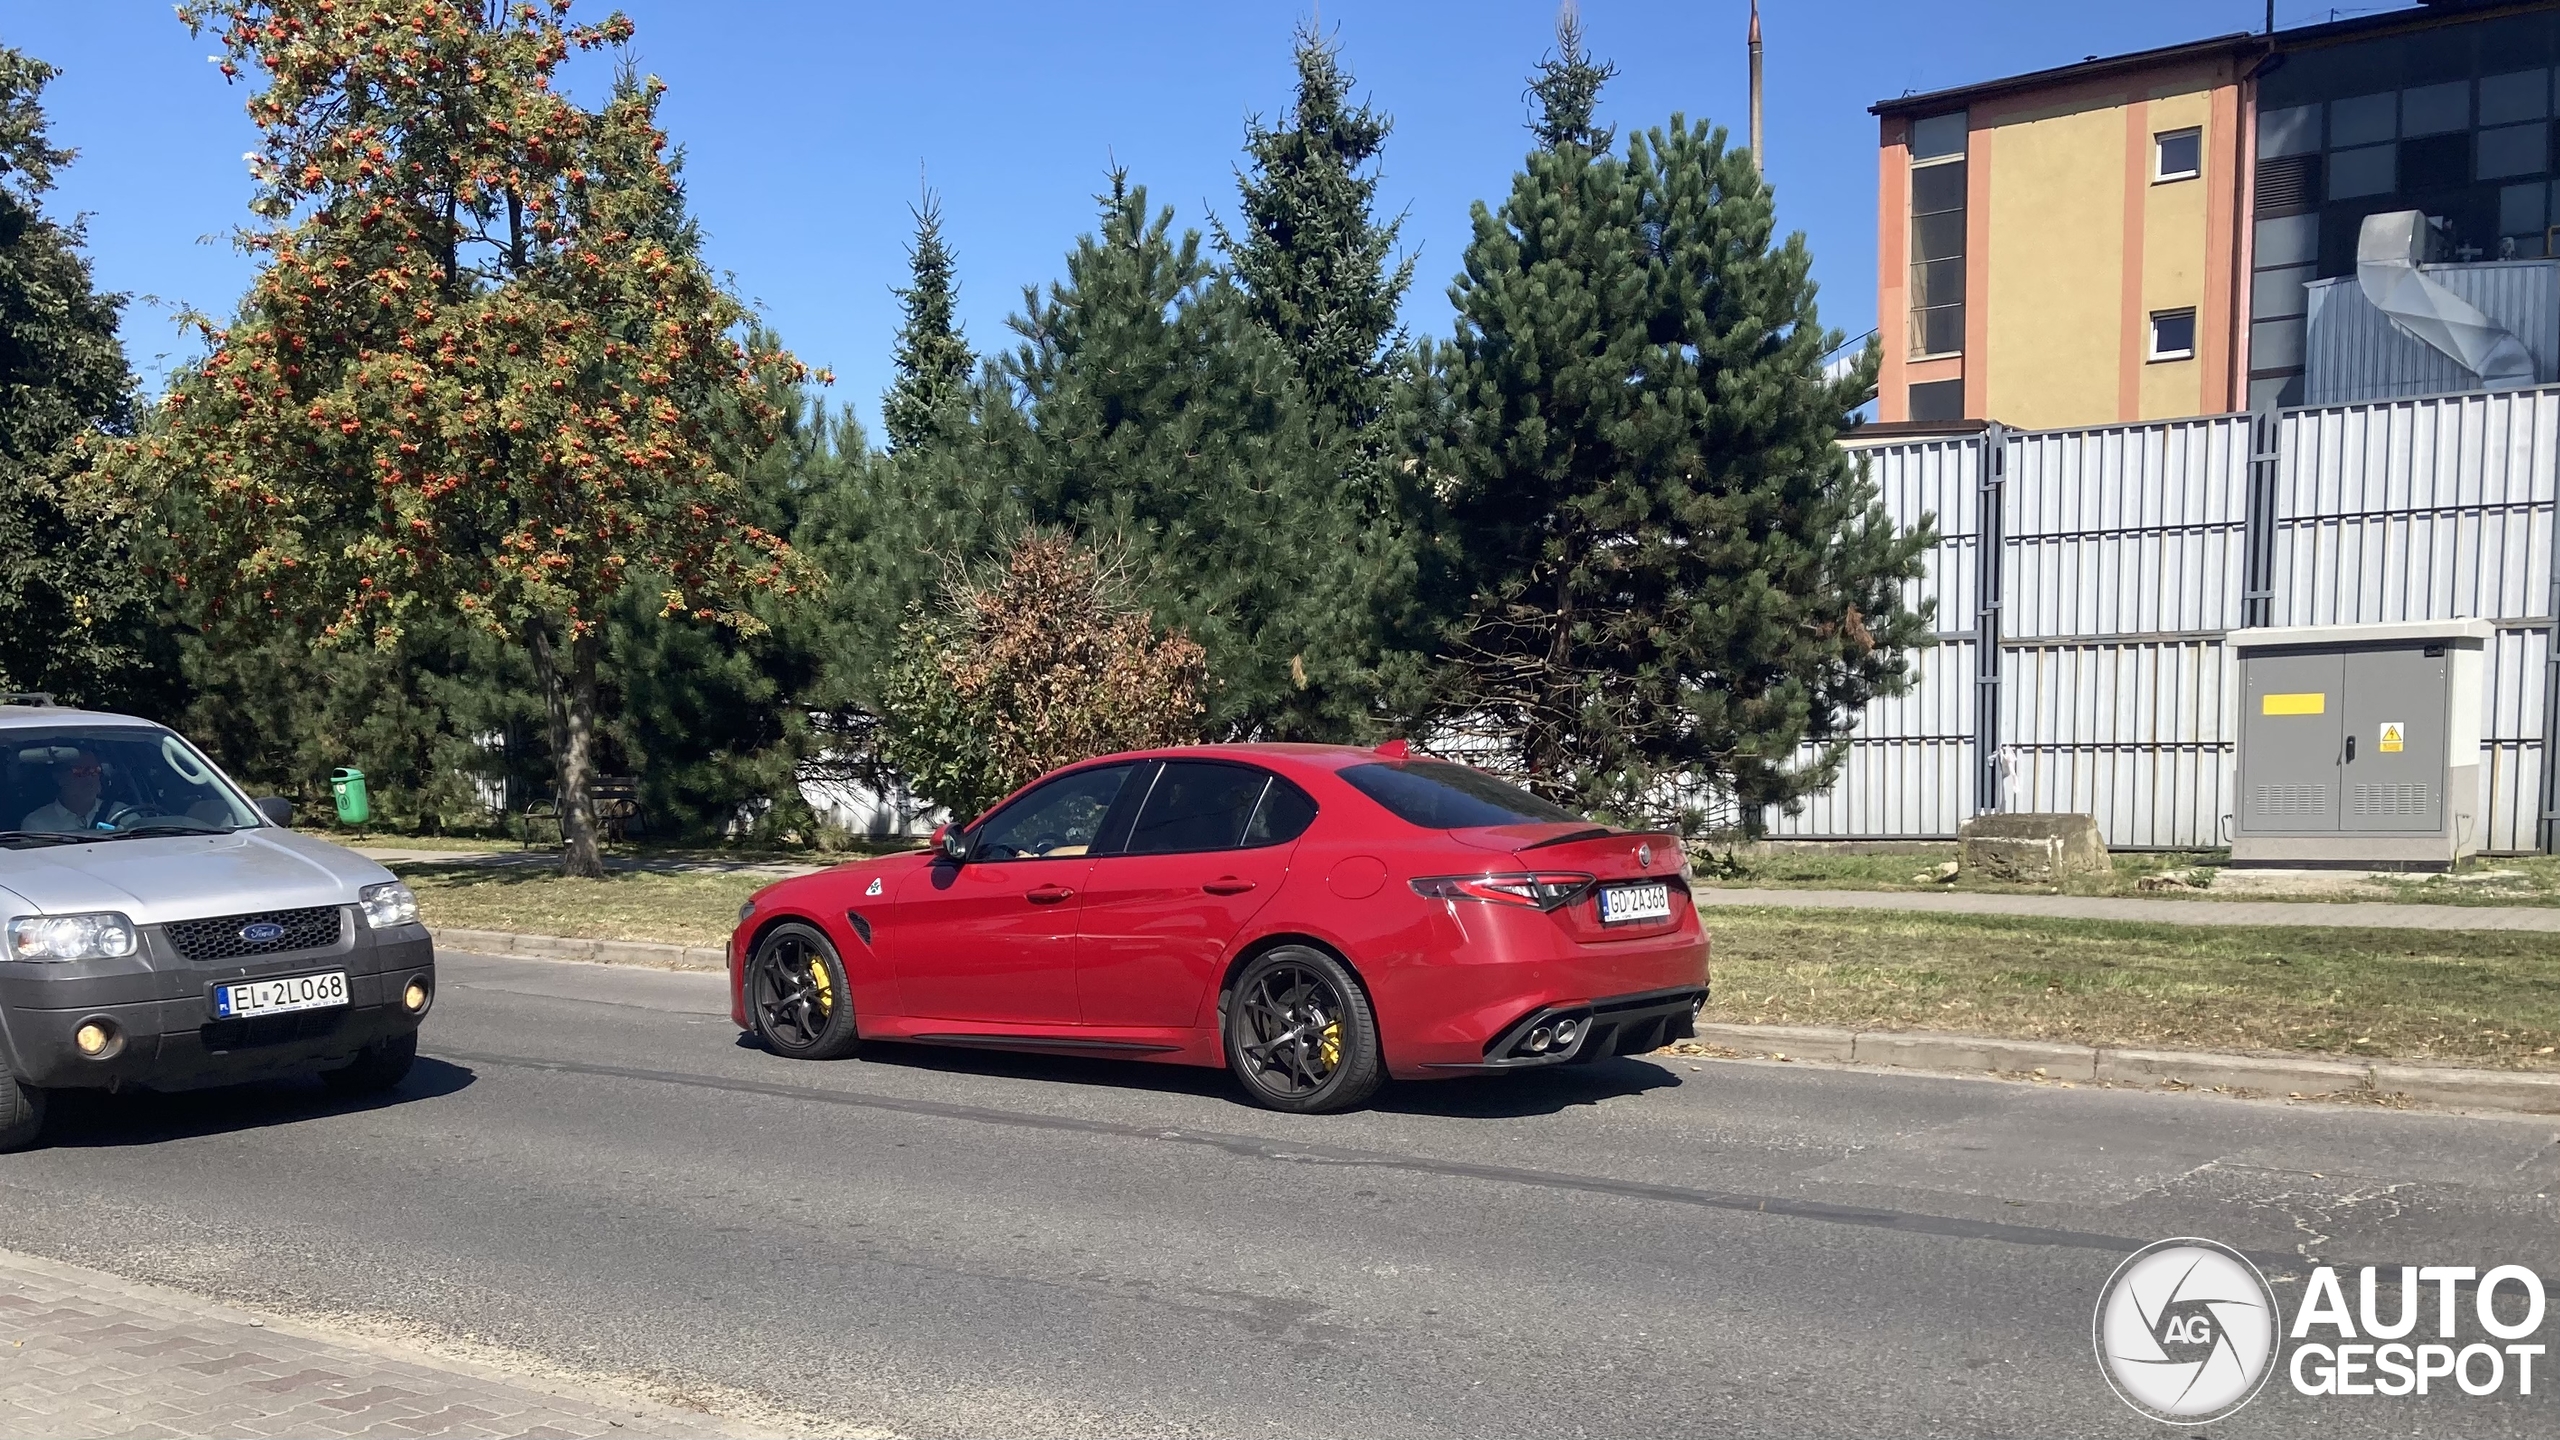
(570, 696)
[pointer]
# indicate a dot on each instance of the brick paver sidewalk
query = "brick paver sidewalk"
(83, 1353)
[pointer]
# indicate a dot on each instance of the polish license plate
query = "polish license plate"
(1621, 903)
(275, 997)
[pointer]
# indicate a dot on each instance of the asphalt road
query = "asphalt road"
(592, 1169)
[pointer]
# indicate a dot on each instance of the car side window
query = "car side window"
(1283, 816)
(1196, 805)
(1058, 819)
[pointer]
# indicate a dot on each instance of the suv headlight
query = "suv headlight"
(387, 904)
(105, 935)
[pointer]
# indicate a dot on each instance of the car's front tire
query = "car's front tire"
(381, 1065)
(797, 997)
(1300, 1033)
(21, 1111)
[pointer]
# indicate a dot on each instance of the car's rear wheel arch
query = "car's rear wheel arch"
(1269, 943)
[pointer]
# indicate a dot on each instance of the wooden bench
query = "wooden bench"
(617, 802)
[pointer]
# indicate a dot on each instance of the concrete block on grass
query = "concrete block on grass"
(1920, 1050)
(1796, 1042)
(2274, 1075)
(2029, 849)
(2478, 1089)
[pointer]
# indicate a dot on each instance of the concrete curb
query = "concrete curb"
(2185, 1069)
(599, 952)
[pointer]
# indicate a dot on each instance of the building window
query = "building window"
(2173, 334)
(2177, 155)
(2514, 150)
(1937, 234)
(2371, 170)
(1938, 400)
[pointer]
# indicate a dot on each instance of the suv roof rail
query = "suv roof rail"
(42, 698)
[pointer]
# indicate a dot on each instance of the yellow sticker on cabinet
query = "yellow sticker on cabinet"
(2390, 741)
(2315, 703)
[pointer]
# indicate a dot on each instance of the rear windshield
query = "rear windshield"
(1437, 795)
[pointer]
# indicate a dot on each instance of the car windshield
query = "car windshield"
(1437, 795)
(107, 782)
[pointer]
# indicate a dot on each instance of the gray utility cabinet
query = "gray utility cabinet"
(2360, 744)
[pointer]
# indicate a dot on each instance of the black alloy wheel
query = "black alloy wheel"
(1300, 1033)
(797, 998)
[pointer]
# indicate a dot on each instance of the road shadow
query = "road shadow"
(93, 1119)
(1485, 1097)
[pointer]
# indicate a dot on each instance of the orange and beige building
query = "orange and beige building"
(2128, 238)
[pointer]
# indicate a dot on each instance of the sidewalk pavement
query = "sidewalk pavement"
(83, 1353)
(2365, 914)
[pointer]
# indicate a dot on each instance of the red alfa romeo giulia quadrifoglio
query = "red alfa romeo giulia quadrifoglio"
(1314, 917)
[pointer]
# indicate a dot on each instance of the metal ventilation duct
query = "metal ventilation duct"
(2389, 249)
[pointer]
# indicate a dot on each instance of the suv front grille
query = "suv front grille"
(219, 938)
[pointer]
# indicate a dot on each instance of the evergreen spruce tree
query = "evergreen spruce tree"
(1567, 88)
(1312, 257)
(1675, 581)
(75, 611)
(933, 359)
(1147, 411)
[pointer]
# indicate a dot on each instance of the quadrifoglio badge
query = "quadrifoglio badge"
(2188, 1331)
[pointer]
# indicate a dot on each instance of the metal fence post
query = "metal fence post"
(1989, 563)
(2266, 459)
(2549, 827)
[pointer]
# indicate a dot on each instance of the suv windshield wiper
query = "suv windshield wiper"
(48, 837)
(152, 830)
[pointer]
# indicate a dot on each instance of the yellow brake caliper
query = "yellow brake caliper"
(825, 986)
(1329, 1045)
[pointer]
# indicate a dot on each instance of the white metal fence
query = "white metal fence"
(2086, 579)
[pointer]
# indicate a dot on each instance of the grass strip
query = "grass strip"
(2488, 998)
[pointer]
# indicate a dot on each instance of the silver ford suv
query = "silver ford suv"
(164, 932)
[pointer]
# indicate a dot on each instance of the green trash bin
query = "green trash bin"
(355, 805)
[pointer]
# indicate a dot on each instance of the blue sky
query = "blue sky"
(807, 125)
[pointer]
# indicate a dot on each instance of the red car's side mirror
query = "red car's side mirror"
(951, 843)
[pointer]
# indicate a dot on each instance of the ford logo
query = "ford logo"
(262, 932)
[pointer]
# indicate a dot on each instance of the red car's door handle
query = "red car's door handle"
(1227, 885)
(1049, 894)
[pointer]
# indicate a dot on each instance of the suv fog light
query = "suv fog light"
(415, 997)
(1540, 1039)
(1565, 1031)
(95, 1038)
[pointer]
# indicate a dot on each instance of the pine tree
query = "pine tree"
(933, 358)
(1146, 411)
(1675, 580)
(1313, 258)
(75, 611)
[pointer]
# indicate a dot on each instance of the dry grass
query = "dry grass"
(2460, 997)
(680, 909)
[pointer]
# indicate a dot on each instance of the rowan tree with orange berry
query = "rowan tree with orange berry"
(483, 370)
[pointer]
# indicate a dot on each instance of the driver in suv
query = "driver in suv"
(78, 802)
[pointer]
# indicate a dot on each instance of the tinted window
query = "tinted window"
(1439, 796)
(1284, 815)
(1059, 819)
(1196, 806)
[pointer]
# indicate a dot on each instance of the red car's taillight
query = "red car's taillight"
(1538, 890)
